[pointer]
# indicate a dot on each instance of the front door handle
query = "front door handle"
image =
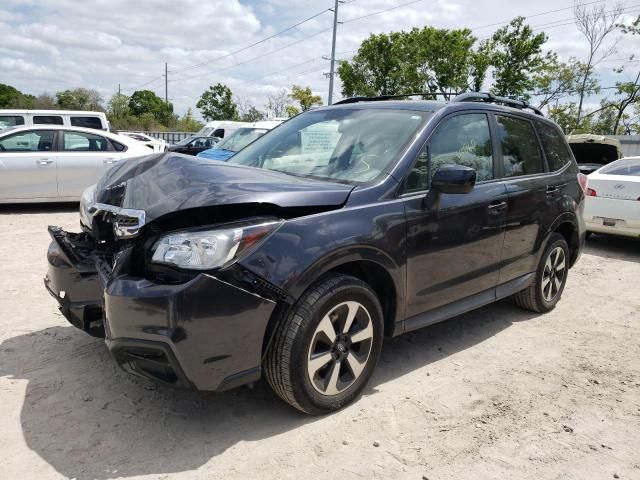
(44, 161)
(497, 205)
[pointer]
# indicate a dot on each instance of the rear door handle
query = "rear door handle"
(44, 161)
(110, 160)
(497, 205)
(552, 189)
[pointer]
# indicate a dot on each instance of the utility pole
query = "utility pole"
(166, 85)
(166, 91)
(333, 53)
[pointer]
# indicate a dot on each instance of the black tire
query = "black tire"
(587, 235)
(288, 361)
(536, 297)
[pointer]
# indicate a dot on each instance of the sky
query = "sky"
(52, 45)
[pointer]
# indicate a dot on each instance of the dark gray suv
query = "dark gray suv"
(293, 259)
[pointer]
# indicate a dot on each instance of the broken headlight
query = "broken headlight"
(87, 200)
(209, 249)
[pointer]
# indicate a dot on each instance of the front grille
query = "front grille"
(123, 221)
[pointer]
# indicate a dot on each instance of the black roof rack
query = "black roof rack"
(391, 97)
(490, 98)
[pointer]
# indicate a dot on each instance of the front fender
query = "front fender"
(305, 248)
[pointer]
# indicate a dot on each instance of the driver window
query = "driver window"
(460, 140)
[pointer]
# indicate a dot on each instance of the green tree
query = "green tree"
(291, 111)
(11, 97)
(217, 103)
(443, 58)
(516, 56)
(147, 102)
(187, 123)
(118, 106)
(79, 99)
(421, 60)
(45, 101)
(557, 80)
(382, 66)
(305, 97)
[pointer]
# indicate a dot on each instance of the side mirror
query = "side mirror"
(454, 179)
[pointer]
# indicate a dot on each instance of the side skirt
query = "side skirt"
(469, 303)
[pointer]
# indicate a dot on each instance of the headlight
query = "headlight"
(87, 199)
(205, 250)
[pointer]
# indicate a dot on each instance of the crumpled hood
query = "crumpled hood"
(169, 182)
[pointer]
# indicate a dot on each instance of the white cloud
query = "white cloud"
(99, 44)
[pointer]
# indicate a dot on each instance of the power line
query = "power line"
(255, 58)
(534, 15)
(198, 65)
(382, 11)
(566, 21)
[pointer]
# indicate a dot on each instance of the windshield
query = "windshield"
(348, 144)
(205, 131)
(185, 141)
(623, 167)
(240, 139)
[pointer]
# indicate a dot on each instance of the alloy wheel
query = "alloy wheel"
(553, 274)
(340, 348)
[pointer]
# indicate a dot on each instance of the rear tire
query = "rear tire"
(325, 349)
(551, 276)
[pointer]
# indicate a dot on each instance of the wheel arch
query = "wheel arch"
(368, 264)
(567, 226)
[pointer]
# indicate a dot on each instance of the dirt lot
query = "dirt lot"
(496, 393)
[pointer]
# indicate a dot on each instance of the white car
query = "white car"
(613, 198)
(156, 144)
(55, 163)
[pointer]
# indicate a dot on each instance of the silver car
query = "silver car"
(51, 163)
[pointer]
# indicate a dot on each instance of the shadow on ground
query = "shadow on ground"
(33, 208)
(608, 246)
(88, 419)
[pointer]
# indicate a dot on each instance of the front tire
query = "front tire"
(551, 277)
(324, 351)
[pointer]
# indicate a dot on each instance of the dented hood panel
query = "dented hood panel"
(170, 182)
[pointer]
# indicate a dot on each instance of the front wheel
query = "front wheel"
(325, 350)
(550, 279)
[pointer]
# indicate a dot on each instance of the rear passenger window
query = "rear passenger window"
(84, 142)
(520, 149)
(47, 120)
(86, 122)
(7, 121)
(554, 145)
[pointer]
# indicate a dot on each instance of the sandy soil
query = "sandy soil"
(496, 393)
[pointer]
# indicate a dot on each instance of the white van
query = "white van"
(220, 128)
(69, 118)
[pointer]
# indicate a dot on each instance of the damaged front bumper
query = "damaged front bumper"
(204, 333)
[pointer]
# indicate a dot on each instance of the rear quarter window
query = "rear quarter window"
(86, 122)
(555, 148)
(118, 147)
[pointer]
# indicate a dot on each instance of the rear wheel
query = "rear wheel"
(551, 277)
(325, 350)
